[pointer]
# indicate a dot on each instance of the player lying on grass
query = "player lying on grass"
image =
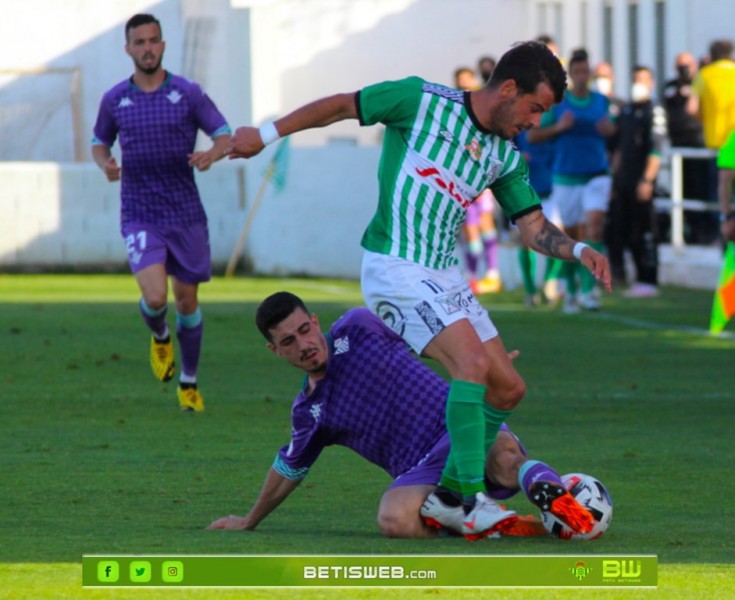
(365, 390)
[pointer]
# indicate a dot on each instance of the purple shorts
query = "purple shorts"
(183, 250)
(429, 469)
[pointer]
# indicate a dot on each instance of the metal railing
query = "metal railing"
(676, 203)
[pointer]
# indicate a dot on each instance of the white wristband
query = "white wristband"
(577, 250)
(268, 133)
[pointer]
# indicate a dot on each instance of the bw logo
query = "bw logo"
(625, 569)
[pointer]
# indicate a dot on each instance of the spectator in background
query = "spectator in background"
(631, 216)
(485, 67)
(604, 83)
(465, 79)
(714, 99)
(579, 126)
(685, 130)
(714, 89)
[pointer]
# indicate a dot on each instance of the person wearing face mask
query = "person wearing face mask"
(631, 222)
(685, 130)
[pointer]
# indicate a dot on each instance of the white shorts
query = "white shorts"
(573, 201)
(418, 302)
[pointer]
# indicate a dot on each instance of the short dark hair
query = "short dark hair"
(529, 64)
(274, 309)
(141, 19)
(579, 55)
(720, 49)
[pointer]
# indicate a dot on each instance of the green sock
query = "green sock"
(587, 279)
(553, 268)
(466, 427)
(569, 273)
(494, 418)
(527, 260)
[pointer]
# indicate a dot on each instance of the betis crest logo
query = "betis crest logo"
(474, 149)
(580, 570)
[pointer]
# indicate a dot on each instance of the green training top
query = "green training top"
(436, 160)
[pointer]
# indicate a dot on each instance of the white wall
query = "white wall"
(67, 215)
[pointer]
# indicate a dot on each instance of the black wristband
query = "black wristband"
(727, 217)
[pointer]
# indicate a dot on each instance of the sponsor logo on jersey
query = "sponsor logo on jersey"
(125, 102)
(316, 411)
(449, 188)
(341, 345)
(446, 135)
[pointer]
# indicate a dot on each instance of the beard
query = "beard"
(148, 70)
(502, 120)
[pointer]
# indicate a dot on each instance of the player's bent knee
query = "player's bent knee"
(508, 398)
(401, 524)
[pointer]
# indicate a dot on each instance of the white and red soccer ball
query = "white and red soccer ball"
(591, 494)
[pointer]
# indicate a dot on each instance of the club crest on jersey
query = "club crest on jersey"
(474, 149)
(174, 97)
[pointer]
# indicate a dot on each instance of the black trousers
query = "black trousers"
(631, 225)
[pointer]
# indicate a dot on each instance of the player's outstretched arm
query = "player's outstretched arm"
(248, 141)
(541, 235)
(204, 159)
(275, 490)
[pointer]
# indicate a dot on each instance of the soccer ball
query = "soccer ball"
(591, 494)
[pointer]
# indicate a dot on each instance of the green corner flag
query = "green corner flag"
(723, 307)
(277, 169)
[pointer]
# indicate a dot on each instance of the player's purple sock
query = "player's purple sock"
(472, 256)
(490, 244)
(189, 331)
(533, 471)
(155, 319)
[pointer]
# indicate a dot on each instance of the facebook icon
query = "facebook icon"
(108, 571)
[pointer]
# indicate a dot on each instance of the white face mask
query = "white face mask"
(639, 92)
(603, 85)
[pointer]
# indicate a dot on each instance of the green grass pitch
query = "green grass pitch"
(95, 457)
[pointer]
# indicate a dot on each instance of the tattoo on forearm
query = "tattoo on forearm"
(554, 242)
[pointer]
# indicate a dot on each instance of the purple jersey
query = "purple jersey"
(157, 132)
(375, 398)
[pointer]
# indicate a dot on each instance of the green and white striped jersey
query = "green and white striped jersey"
(436, 160)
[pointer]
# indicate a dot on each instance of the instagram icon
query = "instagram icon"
(172, 571)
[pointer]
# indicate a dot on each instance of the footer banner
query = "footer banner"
(426, 571)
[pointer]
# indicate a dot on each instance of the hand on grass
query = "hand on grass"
(230, 523)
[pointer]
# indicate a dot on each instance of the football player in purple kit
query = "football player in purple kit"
(365, 390)
(156, 116)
